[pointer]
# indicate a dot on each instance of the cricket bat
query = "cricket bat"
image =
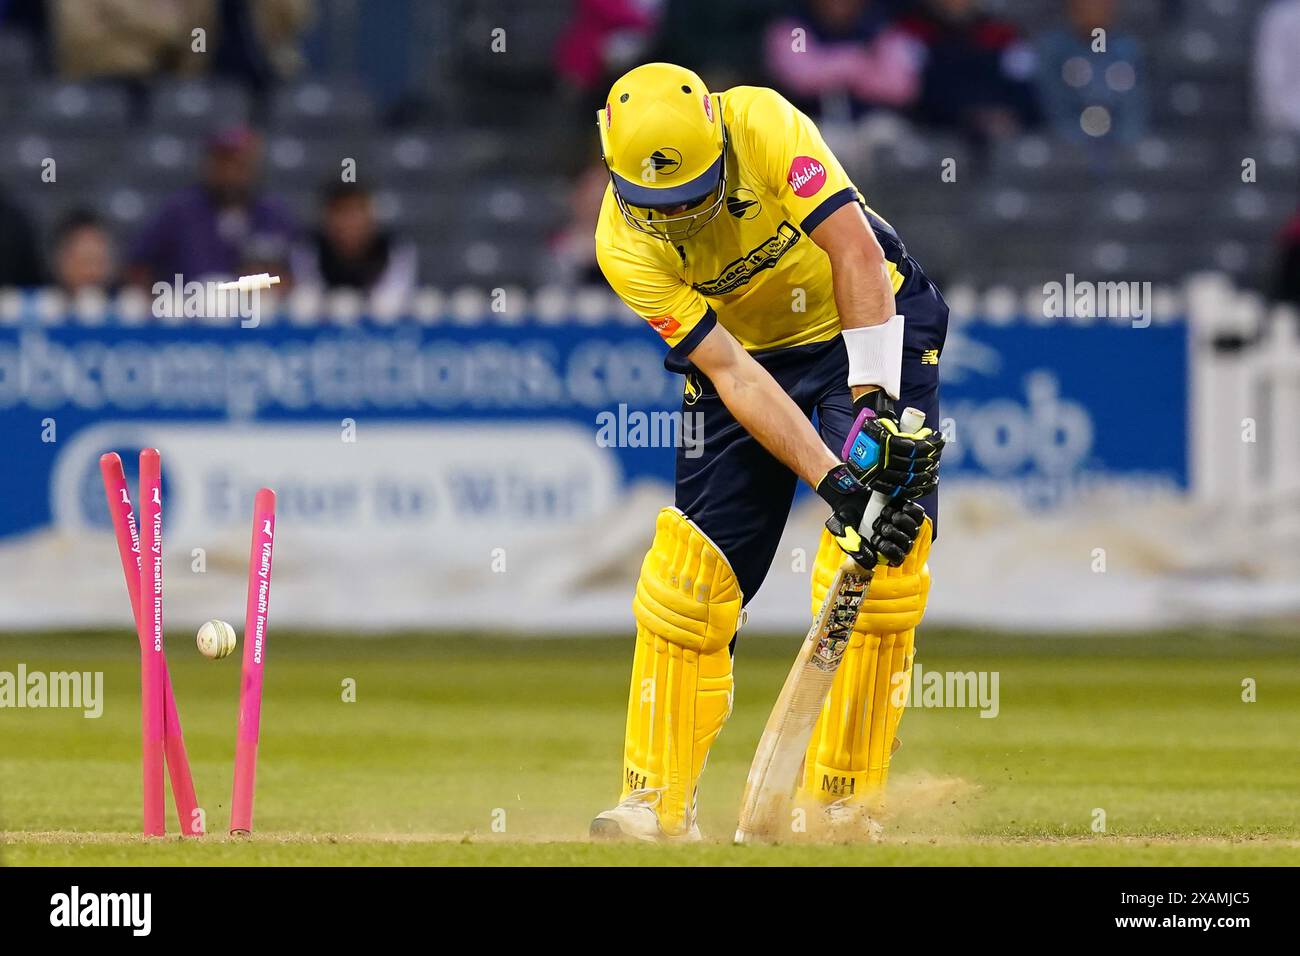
(778, 761)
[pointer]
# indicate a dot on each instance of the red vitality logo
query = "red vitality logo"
(806, 177)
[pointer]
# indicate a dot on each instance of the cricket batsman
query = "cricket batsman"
(731, 228)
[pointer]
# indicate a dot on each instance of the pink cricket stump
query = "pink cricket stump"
(152, 665)
(250, 688)
(128, 549)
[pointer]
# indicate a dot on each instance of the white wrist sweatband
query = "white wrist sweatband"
(876, 355)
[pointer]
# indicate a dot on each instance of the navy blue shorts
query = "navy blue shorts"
(739, 494)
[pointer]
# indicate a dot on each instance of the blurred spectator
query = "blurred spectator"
(723, 42)
(978, 76)
(19, 263)
(573, 249)
(250, 42)
(258, 43)
(604, 38)
(122, 39)
(83, 257)
(842, 58)
(30, 18)
(601, 40)
(1092, 86)
(221, 227)
(350, 251)
(1277, 66)
(1286, 285)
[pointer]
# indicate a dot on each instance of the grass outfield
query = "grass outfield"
(450, 739)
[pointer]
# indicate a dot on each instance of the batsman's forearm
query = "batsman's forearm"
(771, 416)
(864, 296)
(863, 293)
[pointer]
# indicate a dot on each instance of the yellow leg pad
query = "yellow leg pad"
(686, 606)
(848, 755)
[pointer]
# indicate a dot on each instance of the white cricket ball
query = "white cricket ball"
(216, 639)
(253, 283)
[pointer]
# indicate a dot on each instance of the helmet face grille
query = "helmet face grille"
(683, 225)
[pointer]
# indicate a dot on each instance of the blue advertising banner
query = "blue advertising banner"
(1055, 409)
(1049, 407)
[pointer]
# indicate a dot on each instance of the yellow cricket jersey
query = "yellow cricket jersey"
(753, 268)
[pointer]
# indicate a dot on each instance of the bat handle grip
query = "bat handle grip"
(911, 420)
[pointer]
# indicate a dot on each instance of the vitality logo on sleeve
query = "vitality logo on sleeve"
(806, 177)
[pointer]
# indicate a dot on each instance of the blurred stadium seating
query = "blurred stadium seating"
(476, 172)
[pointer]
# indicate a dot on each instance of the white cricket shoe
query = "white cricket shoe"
(635, 819)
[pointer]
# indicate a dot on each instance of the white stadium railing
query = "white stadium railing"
(1245, 402)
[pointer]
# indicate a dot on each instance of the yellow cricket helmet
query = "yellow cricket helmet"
(663, 142)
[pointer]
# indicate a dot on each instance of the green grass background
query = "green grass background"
(449, 734)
